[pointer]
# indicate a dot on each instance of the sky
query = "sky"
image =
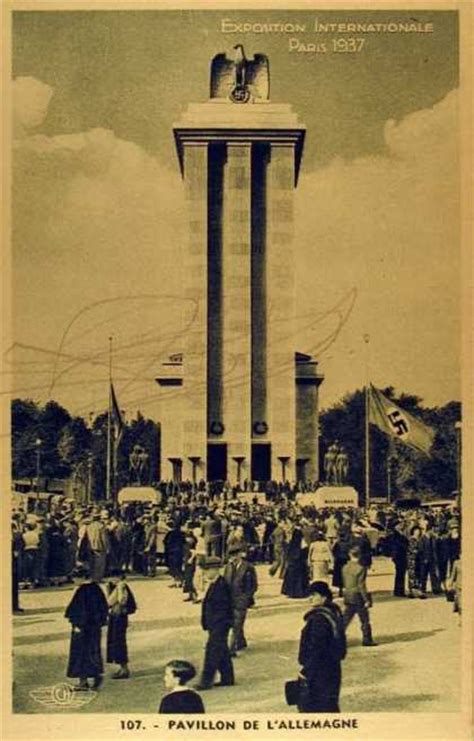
(98, 202)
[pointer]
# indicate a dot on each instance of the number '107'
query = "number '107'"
(347, 46)
(130, 725)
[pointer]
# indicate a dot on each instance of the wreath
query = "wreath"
(216, 428)
(260, 428)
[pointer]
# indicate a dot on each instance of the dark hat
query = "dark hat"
(212, 562)
(320, 587)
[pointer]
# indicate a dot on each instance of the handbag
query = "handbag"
(131, 606)
(293, 689)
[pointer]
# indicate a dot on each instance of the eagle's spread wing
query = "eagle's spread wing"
(258, 77)
(222, 76)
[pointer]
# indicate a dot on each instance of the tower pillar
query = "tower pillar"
(236, 303)
(194, 414)
(280, 273)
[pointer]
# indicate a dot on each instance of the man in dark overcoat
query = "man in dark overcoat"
(399, 552)
(241, 577)
(428, 561)
(216, 618)
(321, 650)
(87, 612)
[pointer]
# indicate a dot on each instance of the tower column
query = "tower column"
(280, 280)
(195, 156)
(236, 306)
(240, 156)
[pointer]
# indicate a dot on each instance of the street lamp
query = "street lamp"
(89, 478)
(38, 444)
(458, 428)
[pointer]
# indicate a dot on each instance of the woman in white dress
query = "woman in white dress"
(320, 559)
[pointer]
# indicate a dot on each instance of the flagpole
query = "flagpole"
(390, 453)
(109, 430)
(367, 429)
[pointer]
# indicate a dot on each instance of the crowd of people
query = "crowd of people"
(209, 543)
(301, 544)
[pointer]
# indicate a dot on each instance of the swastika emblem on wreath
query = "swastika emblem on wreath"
(398, 422)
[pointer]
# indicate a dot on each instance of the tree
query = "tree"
(53, 418)
(345, 422)
(74, 449)
(70, 448)
(99, 456)
(440, 470)
(74, 442)
(144, 432)
(410, 471)
(25, 415)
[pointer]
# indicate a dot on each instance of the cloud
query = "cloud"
(97, 217)
(387, 226)
(419, 134)
(31, 99)
(96, 194)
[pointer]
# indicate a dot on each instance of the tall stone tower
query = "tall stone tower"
(243, 404)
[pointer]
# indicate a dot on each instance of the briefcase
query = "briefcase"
(292, 691)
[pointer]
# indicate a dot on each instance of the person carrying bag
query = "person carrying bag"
(321, 651)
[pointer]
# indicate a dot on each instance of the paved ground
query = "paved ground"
(416, 666)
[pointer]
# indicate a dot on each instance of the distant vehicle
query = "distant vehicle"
(329, 496)
(139, 494)
(32, 501)
(441, 503)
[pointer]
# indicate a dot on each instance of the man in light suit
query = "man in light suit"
(357, 600)
(98, 538)
(242, 580)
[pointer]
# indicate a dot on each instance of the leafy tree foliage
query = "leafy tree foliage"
(70, 447)
(25, 416)
(408, 470)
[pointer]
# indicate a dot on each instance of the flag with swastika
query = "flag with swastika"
(398, 423)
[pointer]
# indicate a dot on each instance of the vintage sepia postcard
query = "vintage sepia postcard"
(237, 370)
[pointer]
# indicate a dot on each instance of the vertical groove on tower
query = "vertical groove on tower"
(258, 285)
(215, 287)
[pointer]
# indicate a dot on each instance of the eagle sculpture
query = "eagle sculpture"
(240, 79)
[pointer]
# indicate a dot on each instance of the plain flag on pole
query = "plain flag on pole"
(116, 417)
(398, 423)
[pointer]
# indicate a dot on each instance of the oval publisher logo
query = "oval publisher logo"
(61, 695)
